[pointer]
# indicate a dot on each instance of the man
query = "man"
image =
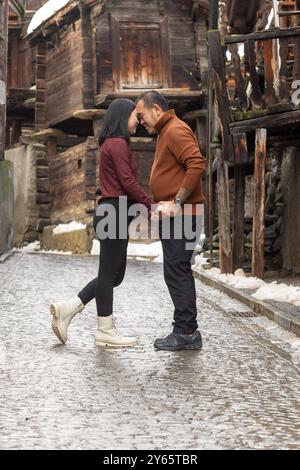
(176, 185)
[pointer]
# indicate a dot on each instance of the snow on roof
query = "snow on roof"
(45, 12)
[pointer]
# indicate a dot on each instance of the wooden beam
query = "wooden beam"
(259, 204)
(272, 120)
(197, 114)
(168, 93)
(48, 133)
(260, 36)
(89, 114)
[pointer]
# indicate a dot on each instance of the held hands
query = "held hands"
(165, 209)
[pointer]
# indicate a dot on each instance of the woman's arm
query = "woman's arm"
(120, 154)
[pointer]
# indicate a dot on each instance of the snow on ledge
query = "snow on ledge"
(71, 227)
(45, 12)
(263, 290)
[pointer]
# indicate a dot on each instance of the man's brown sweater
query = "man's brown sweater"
(178, 161)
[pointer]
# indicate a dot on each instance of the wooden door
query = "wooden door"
(141, 57)
(141, 61)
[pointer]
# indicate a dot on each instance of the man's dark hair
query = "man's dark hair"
(116, 120)
(150, 98)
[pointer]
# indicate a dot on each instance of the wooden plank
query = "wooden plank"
(201, 126)
(116, 53)
(256, 96)
(224, 216)
(284, 89)
(241, 156)
(88, 74)
(218, 73)
(165, 48)
(213, 14)
(273, 120)
(239, 79)
(239, 215)
(269, 73)
(259, 204)
(260, 36)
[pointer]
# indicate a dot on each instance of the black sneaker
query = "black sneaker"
(178, 342)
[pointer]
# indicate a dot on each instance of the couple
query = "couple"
(176, 185)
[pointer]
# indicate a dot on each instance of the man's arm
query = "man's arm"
(182, 144)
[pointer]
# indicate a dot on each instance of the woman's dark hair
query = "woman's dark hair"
(116, 120)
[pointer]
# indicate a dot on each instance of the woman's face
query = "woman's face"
(133, 122)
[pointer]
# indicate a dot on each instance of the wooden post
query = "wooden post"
(3, 73)
(213, 14)
(219, 78)
(241, 159)
(224, 216)
(201, 126)
(259, 204)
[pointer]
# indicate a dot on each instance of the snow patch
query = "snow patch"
(35, 247)
(264, 291)
(145, 250)
(139, 251)
(45, 12)
(65, 228)
(279, 293)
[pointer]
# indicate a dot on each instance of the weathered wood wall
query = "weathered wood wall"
(181, 37)
(73, 180)
(63, 80)
(34, 5)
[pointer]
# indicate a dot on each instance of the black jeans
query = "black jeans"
(178, 252)
(112, 264)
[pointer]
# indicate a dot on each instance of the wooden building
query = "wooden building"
(20, 70)
(89, 53)
(254, 133)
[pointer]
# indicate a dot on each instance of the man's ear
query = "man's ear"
(157, 110)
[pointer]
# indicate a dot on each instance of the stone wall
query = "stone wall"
(23, 159)
(6, 206)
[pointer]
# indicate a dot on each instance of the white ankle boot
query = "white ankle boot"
(63, 313)
(108, 336)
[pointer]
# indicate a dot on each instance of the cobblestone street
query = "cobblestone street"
(240, 392)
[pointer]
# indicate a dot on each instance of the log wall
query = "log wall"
(181, 38)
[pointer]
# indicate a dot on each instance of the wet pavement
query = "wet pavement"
(240, 392)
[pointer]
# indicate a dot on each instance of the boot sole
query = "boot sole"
(54, 311)
(188, 347)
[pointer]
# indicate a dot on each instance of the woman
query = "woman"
(118, 176)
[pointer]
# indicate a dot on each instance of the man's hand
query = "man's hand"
(166, 209)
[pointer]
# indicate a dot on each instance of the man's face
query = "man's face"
(148, 117)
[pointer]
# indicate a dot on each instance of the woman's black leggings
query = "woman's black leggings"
(112, 263)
